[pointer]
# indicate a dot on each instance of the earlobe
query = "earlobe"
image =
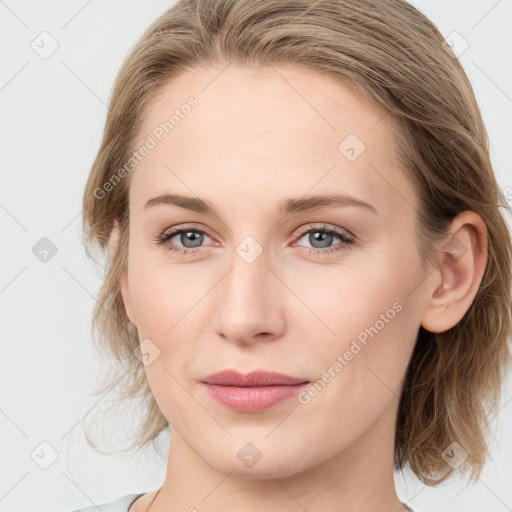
(455, 283)
(123, 280)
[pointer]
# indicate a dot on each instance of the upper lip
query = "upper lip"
(254, 378)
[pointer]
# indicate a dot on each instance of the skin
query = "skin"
(258, 137)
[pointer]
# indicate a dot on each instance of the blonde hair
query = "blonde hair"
(394, 57)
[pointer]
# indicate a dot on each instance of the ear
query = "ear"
(113, 248)
(454, 284)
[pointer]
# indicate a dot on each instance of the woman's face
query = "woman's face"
(261, 282)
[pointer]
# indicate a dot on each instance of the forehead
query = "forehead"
(259, 134)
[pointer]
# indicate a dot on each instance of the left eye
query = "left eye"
(192, 239)
(322, 243)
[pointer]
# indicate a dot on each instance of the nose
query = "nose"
(250, 302)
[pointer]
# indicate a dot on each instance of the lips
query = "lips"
(254, 392)
(254, 378)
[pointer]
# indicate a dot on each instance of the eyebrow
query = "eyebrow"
(199, 205)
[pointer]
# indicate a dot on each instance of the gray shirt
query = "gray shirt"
(122, 505)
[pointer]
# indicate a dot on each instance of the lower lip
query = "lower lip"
(252, 398)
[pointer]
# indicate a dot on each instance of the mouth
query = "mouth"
(253, 392)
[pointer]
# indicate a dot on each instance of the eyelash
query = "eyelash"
(346, 240)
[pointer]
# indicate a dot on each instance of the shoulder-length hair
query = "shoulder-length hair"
(393, 56)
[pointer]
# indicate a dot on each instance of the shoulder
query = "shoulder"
(409, 509)
(119, 505)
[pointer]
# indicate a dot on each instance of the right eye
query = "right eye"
(187, 235)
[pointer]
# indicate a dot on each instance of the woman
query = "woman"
(309, 276)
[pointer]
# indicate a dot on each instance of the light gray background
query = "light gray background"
(51, 119)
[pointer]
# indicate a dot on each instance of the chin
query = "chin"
(260, 467)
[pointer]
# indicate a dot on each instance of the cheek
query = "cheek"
(169, 303)
(164, 294)
(359, 369)
(165, 304)
(369, 319)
